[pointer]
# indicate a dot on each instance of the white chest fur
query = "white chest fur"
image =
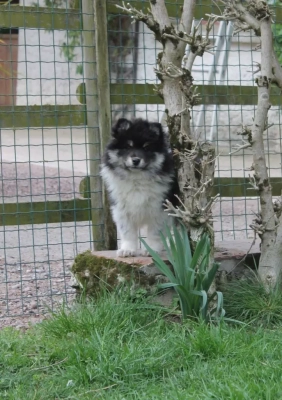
(138, 195)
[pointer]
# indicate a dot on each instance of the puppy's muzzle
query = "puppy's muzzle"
(135, 161)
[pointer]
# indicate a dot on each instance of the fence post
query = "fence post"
(90, 76)
(104, 115)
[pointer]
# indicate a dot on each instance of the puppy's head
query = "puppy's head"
(137, 145)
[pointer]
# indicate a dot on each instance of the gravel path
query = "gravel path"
(35, 260)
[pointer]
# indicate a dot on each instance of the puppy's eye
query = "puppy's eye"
(147, 146)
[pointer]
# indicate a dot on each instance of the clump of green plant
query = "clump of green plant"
(248, 300)
(190, 276)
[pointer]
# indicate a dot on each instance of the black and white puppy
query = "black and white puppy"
(139, 175)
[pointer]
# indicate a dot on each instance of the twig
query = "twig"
(137, 15)
(239, 147)
(98, 390)
(49, 366)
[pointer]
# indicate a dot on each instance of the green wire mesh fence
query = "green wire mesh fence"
(51, 198)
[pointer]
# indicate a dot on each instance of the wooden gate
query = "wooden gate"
(8, 68)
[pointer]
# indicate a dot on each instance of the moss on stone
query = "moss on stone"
(93, 272)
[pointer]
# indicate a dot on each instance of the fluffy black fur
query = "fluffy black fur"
(139, 133)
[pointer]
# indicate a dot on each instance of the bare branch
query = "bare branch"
(138, 15)
(187, 16)
(258, 68)
(238, 147)
(198, 44)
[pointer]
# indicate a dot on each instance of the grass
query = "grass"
(249, 301)
(117, 349)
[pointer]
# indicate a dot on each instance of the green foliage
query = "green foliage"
(68, 47)
(277, 33)
(191, 275)
(250, 301)
(114, 349)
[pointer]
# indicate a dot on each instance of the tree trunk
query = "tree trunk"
(194, 160)
(256, 15)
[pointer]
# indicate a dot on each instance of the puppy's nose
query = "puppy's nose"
(136, 161)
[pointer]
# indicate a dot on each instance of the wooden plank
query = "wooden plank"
(104, 115)
(40, 18)
(45, 212)
(240, 187)
(59, 18)
(80, 209)
(75, 115)
(202, 8)
(174, 7)
(210, 94)
(42, 116)
(226, 187)
(91, 96)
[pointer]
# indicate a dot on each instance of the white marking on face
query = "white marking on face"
(130, 143)
(113, 156)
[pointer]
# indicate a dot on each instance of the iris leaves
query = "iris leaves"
(190, 274)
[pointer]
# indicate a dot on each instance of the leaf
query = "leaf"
(218, 310)
(209, 277)
(167, 285)
(191, 277)
(159, 262)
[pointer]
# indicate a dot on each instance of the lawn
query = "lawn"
(119, 349)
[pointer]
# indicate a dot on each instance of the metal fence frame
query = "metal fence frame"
(100, 93)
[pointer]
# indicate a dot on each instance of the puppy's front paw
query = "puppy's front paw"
(126, 253)
(144, 253)
(156, 246)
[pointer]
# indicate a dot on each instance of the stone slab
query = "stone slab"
(230, 255)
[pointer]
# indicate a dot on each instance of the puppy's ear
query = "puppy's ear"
(121, 126)
(157, 129)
